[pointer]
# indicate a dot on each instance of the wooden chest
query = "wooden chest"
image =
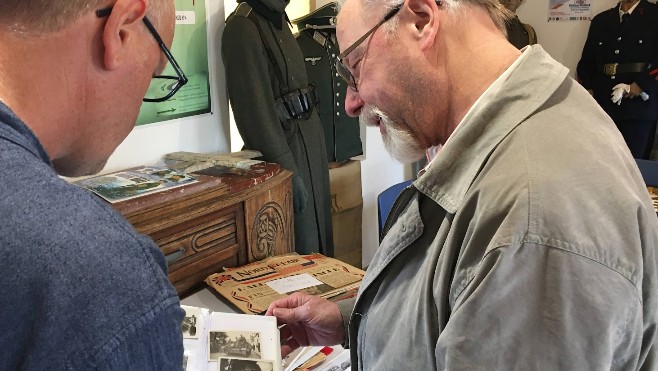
(227, 219)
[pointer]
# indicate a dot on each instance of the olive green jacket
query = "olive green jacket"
(297, 144)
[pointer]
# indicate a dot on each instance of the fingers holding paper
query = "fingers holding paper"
(308, 320)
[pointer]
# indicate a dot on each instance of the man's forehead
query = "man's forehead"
(350, 23)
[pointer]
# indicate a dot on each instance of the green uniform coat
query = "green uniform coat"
(317, 41)
(297, 144)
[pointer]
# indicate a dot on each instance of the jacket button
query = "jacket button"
(619, 38)
(612, 77)
(640, 41)
(617, 51)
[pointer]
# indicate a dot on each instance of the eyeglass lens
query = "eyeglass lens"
(345, 74)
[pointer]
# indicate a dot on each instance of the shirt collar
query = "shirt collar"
(630, 11)
(527, 84)
(14, 130)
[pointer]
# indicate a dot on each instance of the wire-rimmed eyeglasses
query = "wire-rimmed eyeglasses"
(162, 87)
(342, 69)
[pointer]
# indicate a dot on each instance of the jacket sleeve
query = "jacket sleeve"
(248, 83)
(535, 307)
(345, 307)
(587, 65)
(154, 342)
(646, 80)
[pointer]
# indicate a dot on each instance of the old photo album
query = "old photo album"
(229, 341)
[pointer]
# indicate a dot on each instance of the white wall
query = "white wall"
(378, 172)
(563, 40)
(204, 133)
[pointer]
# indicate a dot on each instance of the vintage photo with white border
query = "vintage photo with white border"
(244, 344)
(241, 364)
(191, 322)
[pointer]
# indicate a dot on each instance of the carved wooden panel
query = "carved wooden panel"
(223, 221)
(204, 245)
(269, 222)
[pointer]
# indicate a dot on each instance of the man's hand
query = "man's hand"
(634, 91)
(308, 320)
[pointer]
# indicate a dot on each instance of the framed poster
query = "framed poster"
(190, 48)
(569, 10)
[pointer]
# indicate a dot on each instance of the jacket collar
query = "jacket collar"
(14, 130)
(272, 10)
(503, 107)
(637, 9)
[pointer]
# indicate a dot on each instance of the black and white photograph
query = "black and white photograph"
(190, 322)
(237, 364)
(245, 344)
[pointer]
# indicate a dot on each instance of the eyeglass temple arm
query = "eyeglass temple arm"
(388, 16)
(164, 48)
(107, 11)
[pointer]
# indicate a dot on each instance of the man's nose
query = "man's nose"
(353, 103)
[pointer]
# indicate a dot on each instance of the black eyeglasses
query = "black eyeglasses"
(342, 69)
(162, 87)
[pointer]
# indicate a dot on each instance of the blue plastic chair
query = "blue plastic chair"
(386, 199)
(649, 171)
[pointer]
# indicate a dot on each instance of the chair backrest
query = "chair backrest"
(386, 199)
(649, 171)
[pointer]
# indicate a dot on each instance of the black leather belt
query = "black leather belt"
(297, 104)
(611, 69)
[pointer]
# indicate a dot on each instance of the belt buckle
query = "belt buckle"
(610, 69)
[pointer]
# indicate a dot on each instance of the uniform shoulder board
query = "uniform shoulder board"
(243, 10)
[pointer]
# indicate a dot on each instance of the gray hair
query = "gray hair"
(43, 16)
(498, 13)
(512, 5)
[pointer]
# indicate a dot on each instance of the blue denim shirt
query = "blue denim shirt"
(80, 288)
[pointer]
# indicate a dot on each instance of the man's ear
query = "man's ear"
(425, 20)
(121, 28)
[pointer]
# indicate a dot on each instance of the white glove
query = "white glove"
(618, 92)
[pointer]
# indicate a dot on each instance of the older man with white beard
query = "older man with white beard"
(530, 241)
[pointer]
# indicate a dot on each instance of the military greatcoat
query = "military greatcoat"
(253, 86)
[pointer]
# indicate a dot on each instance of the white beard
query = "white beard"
(400, 143)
